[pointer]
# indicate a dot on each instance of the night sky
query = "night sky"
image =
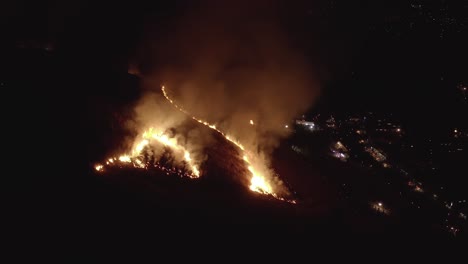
(403, 56)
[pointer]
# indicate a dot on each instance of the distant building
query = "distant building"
(307, 124)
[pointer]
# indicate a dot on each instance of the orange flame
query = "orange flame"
(138, 148)
(98, 167)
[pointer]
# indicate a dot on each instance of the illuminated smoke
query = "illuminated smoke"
(231, 65)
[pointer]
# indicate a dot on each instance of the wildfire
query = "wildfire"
(258, 181)
(136, 157)
(149, 136)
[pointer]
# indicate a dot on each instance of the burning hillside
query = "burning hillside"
(241, 78)
(156, 148)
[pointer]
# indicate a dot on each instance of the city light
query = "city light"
(380, 207)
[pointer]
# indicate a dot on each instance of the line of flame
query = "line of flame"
(148, 135)
(258, 183)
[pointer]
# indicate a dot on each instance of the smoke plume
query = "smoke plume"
(229, 63)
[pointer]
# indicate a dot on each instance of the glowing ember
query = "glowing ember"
(125, 159)
(139, 163)
(98, 167)
(258, 182)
